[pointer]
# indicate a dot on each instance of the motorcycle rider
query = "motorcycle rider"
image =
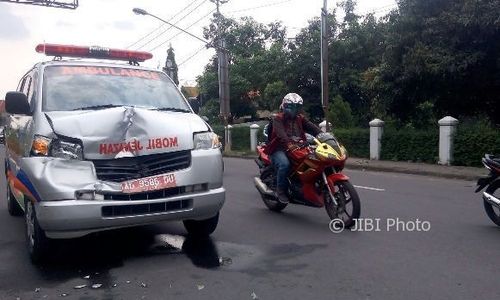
(288, 130)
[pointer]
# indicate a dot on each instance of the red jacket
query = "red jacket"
(284, 129)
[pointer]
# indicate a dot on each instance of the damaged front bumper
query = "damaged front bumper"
(65, 209)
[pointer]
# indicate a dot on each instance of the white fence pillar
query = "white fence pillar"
(376, 131)
(228, 138)
(254, 129)
(447, 127)
(322, 126)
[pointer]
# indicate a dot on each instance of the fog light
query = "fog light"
(196, 188)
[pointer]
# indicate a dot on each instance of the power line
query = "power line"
(191, 56)
(162, 25)
(257, 7)
(385, 8)
(180, 32)
(172, 25)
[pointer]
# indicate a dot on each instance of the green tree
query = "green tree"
(444, 52)
(340, 113)
(211, 110)
(273, 95)
(257, 57)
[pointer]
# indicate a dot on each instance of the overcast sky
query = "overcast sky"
(111, 23)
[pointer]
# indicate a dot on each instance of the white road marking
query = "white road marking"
(369, 188)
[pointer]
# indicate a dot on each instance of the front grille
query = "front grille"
(127, 168)
(160, 194)
(144, 209)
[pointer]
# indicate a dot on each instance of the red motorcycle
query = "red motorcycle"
(491, 196)
(315, 179)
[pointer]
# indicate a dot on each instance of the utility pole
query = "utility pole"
(222, 56)
(324, 62)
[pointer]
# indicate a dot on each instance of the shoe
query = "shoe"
(282, 197)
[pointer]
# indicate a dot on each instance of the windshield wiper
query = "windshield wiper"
(96, 107)
(173, 109)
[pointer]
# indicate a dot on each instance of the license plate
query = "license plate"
(153, 183)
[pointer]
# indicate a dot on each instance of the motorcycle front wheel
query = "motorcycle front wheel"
(493, 212)
(348, 207)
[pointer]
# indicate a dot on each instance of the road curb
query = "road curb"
(412, 172)
(439, 171)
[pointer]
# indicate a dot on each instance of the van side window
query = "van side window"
(21, 84)
(27, 86)
(32, 92)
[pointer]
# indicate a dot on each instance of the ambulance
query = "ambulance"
(96, 142)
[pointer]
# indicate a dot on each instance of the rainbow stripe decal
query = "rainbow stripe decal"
(21, 183)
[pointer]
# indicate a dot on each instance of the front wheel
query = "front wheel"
(493, 212)
(36, 240)
(201, 228)
(348, 207)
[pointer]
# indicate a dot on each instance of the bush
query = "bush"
(471, 142)
(355, 140)
(240, 136)
(410, 145)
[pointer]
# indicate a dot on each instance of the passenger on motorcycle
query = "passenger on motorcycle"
(288, 132)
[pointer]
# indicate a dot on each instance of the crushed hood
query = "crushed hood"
(127, 131)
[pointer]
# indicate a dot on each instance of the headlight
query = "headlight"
(206, 140)
(40, 146)
(44, 146)
(65, 149)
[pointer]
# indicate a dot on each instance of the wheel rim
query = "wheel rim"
(30, 224)
(496, 194)
(345, 208)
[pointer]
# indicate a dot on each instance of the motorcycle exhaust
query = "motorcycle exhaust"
(262, 187)
(491, 200)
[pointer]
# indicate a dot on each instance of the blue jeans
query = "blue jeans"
(282, 165)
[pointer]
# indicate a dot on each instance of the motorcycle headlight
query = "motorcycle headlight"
(66, 149)
(206, 140)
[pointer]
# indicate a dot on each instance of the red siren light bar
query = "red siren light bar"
(92, 52)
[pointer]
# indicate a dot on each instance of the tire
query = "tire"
(273, 204)
(492, 212)
(36, 241)
(201, 228)
(340, 212)
(12, 204)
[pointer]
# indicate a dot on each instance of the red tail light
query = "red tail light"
(92, 52)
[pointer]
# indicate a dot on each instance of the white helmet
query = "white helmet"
(292, 104)
(292, 98)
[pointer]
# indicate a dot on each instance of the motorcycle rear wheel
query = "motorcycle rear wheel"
(493, 212)
(345, 195)
(272, 204)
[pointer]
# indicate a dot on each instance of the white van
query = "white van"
(93, 145)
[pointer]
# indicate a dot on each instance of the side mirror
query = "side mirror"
(17, 103)
(205, 118)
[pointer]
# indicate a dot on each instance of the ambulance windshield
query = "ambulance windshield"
(68, 88)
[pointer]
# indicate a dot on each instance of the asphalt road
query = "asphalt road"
(265, 255)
